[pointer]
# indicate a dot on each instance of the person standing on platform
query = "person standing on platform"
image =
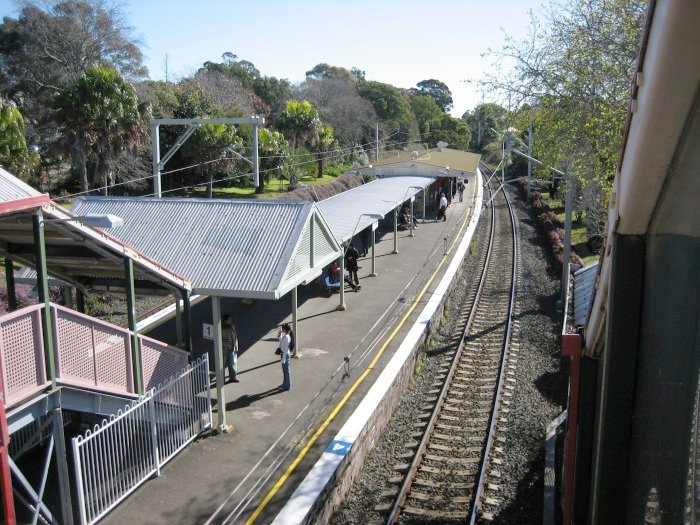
(285, 342)
(230, 344)
(442, 208)
(351, 257)
(460, 188)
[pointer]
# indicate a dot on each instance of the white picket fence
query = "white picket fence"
(115, 458)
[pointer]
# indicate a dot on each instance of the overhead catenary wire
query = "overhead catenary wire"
(331, 155)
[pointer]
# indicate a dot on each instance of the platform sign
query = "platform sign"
(208, 331)
(341, 448)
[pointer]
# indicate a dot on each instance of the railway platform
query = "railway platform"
(223, 478)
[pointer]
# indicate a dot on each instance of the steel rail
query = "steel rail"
(476, 501)
(423, 445)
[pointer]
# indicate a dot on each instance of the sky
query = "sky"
(392, 41)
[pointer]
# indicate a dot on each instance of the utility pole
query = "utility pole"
(376, 143)
(567, 238)
(529, 161)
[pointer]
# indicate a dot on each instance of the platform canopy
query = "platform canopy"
(443, 162)
(351, 211)
(78, 255)
(227, 248)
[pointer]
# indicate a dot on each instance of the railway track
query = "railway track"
(453, 474)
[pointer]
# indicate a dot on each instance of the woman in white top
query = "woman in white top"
(285, 342)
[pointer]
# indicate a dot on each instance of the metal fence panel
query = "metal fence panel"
(22, 355)
(115, 458)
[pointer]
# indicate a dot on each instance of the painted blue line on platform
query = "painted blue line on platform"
(339, 447)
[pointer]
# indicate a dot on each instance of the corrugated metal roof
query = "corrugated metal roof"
(224, 247)
(348, 213)
(584, 286)
(11, 188)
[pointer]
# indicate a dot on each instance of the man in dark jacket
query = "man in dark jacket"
(351, 256)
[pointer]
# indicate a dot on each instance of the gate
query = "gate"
(116, 457)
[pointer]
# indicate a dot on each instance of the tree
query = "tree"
(274, 92)
(391, 105)
(44, 49)
(325, 143)
(274, 150)
(572, 76)
(485, 122)
(100, 119)
(438, 91)
(229, 94)
(426, 111)
(342, 107)
(327, 71)
(208, 149)
(15, 157)
(449, 129)
(300, 123)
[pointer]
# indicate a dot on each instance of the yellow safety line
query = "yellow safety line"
(302, 454)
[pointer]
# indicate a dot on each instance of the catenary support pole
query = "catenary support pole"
(256, 161)
(567, 240)
(424, 197)
(529, 161)
(376, 143)
(155, 140)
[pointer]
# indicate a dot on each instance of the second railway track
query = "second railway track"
(451, 467)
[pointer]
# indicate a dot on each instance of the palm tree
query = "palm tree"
(300, 123)
(325, 143)
(101, 119)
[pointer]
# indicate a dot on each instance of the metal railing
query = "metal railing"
(115, 458)
(89, 354)
(22, 355)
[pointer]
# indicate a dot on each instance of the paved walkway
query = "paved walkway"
(221, 478)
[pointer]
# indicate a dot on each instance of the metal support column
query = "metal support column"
(10, 281)
(62, 465)
(424, 197)
(80, 301)
(396, 229)
(410, 218)
(68, 296)
(43, 289)
(187, 322)
(131, 315)
(374, 268)
(295, 300)
(178, 320)
(342, 306)
(219, 366)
